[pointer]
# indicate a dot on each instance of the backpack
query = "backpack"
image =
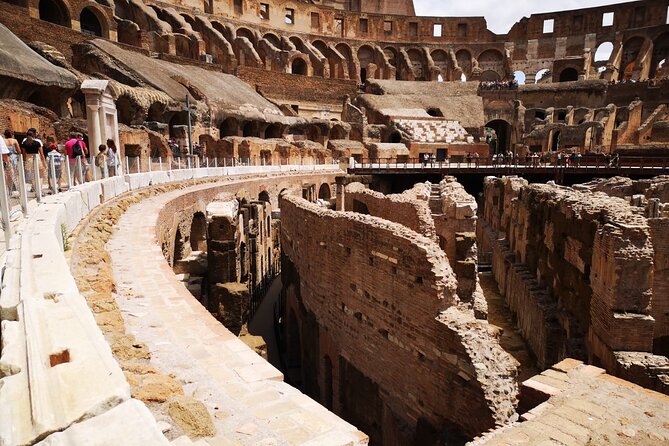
(77, 150)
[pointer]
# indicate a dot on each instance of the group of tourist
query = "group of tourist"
(51, 157)
(498, 85)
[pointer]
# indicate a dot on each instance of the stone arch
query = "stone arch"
(246, 32)
(250, 128)
(464, 58)
(127, 111)
(198, 232)
(395, 137)
(365, 57)
(178, 118)
(503, 131)
(229, 127)
(541, 75)
(346, 69)
(442, 61)
(155, 112)
(337, 132)
(660, 53)
(555, 140)
(54, 11)
(603, 52)
(93, 22)
(299, 66)
(417, 59)
(264, 196)
(190, 20)
(631, 49)
(569, 74)
(274, 130)
(519, 77)
(314, 133)
(273, 39)
(491, 60)
(324, 192)
(391, 54)
(183, 47)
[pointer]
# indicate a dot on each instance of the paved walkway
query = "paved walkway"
(249, 401)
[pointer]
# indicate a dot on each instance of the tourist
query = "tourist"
(54, 156)
(469, 159)
(426, 158)
(113, 158)
(101, 159)
(33, 150)
(14, 152)
(77, 151)
(476, 159)
(7, 166)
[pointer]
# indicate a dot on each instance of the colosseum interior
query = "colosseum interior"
(330, 222)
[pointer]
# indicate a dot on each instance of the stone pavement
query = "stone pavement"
(582, 405)
(246, 396)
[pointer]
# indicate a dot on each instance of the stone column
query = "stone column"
(94, 135)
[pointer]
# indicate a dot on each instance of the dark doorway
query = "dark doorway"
(568, 75)
(90, 23)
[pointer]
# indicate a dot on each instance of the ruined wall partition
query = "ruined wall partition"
(371, 306)
(577, 269)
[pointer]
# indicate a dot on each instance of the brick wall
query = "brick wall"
(372, 292)
(404, 209)
(289, 88)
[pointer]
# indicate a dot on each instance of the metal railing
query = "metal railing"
(526, 163)
(257, 292)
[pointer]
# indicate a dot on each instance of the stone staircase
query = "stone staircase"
(434, 131)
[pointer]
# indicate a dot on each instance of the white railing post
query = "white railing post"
(94, 168)
(127, 166)
(160, 162)
(52, 169)
(23, 190)
(179, 163)
(37, 181)
(216, 162)
(105, 170)
(4, 209)
(138, 166)
(68, 172)
(80, 168)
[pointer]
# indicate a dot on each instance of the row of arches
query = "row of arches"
(92, 19)
(232, 126)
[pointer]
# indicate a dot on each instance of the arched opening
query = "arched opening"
(229, 127)
(440, 78)
(498, 135)
(569, 75)
(274, 130)
(555, 142)
(250, 129)
(360, 207)
(631, 50)
(178, 119)
(337, 132)
(273, 39)
(416, 58)
(363, 75)
(395, 137)
(659, 66)
(155, 112)
(299, 66)
(542, 75)
(327, 383)
(324, 192)
(441, 61)
(54, 11)
(519, 77)
(463, 78)
(464, 59)
(435, 111)
(245, 32)
(198, 232)
(603, 53)
(90, 24)
(313, 133)
(178, 248)
(264, 196)
(491, 60)
(126, 111)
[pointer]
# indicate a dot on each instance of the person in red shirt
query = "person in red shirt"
(76, 147)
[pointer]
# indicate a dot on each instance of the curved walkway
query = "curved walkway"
(246, 395)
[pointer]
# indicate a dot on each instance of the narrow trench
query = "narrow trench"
(501, 316)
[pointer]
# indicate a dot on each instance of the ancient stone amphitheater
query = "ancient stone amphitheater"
(333, 222)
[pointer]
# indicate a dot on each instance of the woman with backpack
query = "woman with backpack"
(75, 148)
